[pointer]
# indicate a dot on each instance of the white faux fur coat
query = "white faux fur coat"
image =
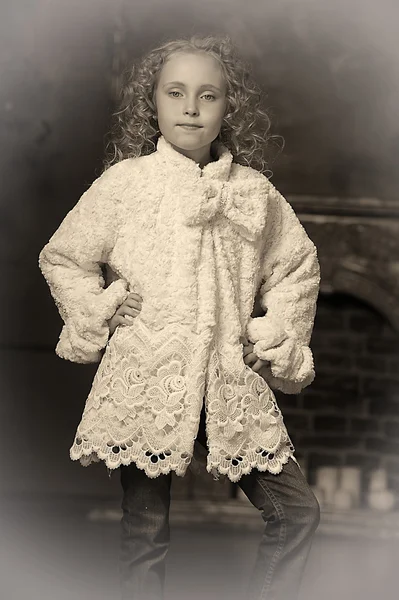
(197, 245)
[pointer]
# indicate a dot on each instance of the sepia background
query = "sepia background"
(329, 72)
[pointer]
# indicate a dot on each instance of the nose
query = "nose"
(191, 107)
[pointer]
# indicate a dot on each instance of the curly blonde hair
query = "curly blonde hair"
(244, 131)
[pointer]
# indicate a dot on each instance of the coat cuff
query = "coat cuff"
(86, 332)
(267, 330)
(286, 386)
(291, 365)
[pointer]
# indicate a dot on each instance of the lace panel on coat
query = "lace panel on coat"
(146, 398)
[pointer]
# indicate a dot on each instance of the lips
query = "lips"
(190, 126)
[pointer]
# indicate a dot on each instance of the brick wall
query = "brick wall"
(350, 414)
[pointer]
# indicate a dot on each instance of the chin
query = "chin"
(195, 141)
(190, 146)
(187, 144)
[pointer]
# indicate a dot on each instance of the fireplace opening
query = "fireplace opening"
(349, 416)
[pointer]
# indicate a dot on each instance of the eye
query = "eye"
(173, 92)
(211, 96)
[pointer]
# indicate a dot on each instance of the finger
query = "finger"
(132, 303)
(247, 349)
(258, 365)
(126, 320)
(133, 312)
(249, 359)
(129, 319)
(135, 296)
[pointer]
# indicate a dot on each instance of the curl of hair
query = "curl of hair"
(245, 126)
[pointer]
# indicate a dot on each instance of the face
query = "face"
(191, 101)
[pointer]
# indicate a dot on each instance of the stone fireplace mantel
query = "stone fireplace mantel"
(358, 247)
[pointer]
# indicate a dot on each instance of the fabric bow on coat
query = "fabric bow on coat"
(238, 201)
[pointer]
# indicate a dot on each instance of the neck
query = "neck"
(202, 156)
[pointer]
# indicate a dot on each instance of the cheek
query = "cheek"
(217, 119)
(218, 113)
(170, 110)
(164, 106)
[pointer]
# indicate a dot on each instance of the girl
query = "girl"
(190, 232)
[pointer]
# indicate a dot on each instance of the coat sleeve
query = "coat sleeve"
(290, 279)
(71, 264)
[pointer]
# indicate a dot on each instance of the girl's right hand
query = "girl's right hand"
(130, 308)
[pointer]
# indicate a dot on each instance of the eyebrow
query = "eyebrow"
(205, 86)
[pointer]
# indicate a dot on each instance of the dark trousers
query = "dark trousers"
(288, 507)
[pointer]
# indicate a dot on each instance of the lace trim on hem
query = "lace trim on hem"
(216, 463)
(253, 460)
(90, 455)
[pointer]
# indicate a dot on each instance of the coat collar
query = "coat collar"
(218, 169)
(205, 194)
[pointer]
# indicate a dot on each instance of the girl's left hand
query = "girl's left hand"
(250, 357)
